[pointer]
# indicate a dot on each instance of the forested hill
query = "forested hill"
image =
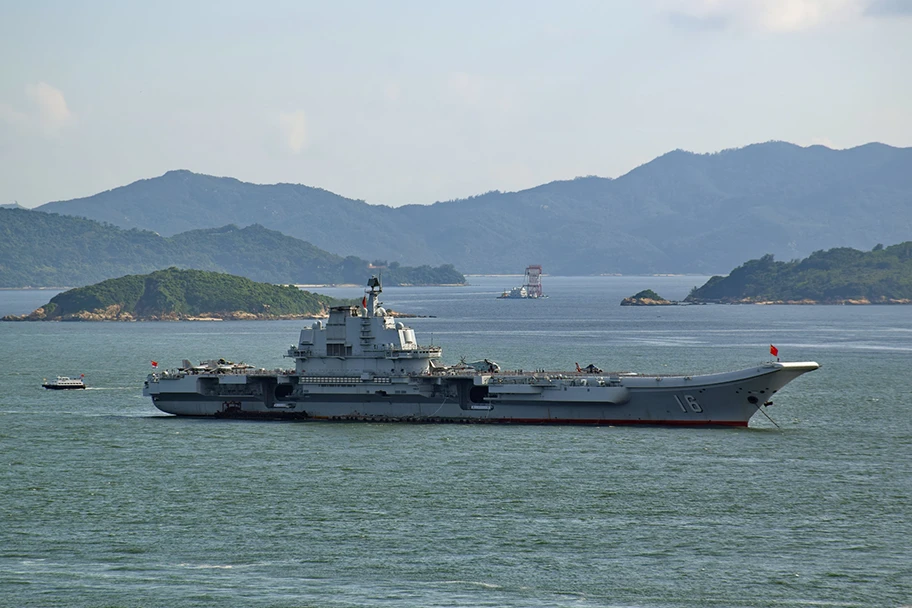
(43, 249)
(175, 294)
(682, 212)
(837, 276)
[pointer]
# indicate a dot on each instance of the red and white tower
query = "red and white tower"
(533, 281)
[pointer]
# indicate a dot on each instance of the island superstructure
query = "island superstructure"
(361, 364)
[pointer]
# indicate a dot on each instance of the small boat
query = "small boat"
(65, 383)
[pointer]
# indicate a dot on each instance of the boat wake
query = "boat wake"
(473, 583)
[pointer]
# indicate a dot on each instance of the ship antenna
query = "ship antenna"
(374, 292)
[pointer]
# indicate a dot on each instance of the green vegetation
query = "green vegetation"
(43, 250)
(175, 294)
(647, 297)
(394, 274)
(883, 275)
(647, 294)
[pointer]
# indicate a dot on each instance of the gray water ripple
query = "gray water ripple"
(105, 502)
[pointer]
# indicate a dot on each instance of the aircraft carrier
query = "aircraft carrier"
(361, 364)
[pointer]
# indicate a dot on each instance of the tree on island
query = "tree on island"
(647, 294)
(647, 297)
(175, 294)
(841, 275)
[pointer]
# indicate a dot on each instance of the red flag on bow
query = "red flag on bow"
(154, 363)
(364, 302)
(774, 351)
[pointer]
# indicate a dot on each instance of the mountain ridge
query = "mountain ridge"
(46, 249)
(680, 212)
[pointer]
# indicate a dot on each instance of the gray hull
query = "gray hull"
(727, 399)
(364, 365)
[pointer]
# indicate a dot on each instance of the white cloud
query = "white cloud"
(294, 130)
(47, 111)
(12, 116)
(53, 112)
(392, 92)
(468, 88)
(480, 93)
(767, 15)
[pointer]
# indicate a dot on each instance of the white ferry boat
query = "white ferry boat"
(65, 383)
(363, 365)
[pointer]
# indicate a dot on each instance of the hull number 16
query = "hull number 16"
(689, 402)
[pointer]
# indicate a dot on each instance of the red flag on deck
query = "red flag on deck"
(154, 363)
(774, 351)
(364, 302)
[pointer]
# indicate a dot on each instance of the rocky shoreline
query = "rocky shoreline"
(651, 298)
(647, 297)
(807, 302)
(632, 301)
(115, 313)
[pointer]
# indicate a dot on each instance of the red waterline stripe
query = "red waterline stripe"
(535, 421)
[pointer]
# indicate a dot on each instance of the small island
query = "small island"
(647, 297)
(182, 295)
(837, 276)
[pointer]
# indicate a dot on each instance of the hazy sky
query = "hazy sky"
(413, 102)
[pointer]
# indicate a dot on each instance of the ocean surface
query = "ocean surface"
(104, 501)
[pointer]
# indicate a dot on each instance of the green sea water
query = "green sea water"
(104, 501)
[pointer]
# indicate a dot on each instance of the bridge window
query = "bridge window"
(338, 350)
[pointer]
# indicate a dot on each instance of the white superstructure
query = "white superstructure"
(363, 341)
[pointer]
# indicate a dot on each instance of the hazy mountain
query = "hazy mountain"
(47, 249)
(681, 212)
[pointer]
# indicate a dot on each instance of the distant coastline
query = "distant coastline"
(186, 295)
(807, 302)
(841, 276)
(802, 199)
(35, 288)
(349, 285)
